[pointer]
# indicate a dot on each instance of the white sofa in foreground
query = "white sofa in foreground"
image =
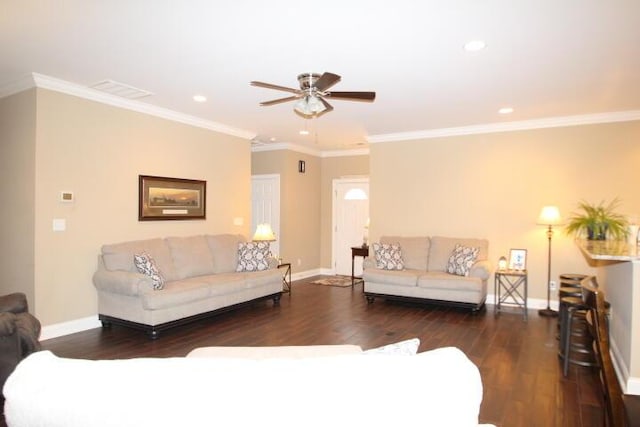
(200, 278)
(422, 274)
(294, 386)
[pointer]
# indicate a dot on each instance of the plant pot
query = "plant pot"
(598, 232)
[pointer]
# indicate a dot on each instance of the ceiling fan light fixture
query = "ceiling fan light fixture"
(309, 106)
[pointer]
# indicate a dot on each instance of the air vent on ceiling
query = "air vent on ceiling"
(120, 89)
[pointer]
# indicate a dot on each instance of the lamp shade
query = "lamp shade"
(264, 233)
(549, 215)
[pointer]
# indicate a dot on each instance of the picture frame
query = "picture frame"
(518, 259)
(161, 198)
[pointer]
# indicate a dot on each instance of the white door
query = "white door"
(265, 206)
(350, 218)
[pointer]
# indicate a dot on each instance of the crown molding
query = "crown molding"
(551, 122)
(310, 151)
(46, 82)
(25, 83)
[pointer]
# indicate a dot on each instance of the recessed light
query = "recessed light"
(475, 45)
(199, 98)
(304, 132)
(505, 110)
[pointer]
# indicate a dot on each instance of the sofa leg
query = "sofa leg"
(106, 324)
(276, 300)
(153, 334)
(370, 299)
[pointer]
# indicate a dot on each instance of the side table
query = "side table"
(510, 289)
(286, 277)
(362, 251)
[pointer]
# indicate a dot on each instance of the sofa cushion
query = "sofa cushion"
(461, 260)
(392, 277)
(441, 280)
(253, 256)
(115, 260)
(191, 256)
(261, 278)
(224, 248)
(176, 293)
(146, 265)
(415, 250)
(388, 256)
(442, 247)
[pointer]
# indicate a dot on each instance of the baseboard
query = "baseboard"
(304, 274)
(70, 327)
(532, 303)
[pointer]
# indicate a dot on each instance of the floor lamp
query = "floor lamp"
(549, 216)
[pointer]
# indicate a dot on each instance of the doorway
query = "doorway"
(350, 220)
(265, 206)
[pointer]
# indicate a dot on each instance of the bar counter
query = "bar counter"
(618, 270)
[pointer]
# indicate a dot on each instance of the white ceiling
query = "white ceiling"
(545, 58)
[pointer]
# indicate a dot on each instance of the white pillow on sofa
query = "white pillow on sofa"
(388, 256)
(462, 259)
(253, 256)
(147, 265)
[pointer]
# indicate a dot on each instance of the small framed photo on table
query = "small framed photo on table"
(518, 259)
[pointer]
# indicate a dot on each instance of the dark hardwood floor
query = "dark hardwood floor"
(521, 373)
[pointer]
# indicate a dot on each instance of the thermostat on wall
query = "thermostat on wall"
(66, 196)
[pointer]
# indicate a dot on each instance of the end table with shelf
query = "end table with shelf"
(362, 251)
(286, 277)
(510, 289)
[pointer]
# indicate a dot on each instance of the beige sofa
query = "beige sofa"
(289, 386)
(200, 279)
(425, 277)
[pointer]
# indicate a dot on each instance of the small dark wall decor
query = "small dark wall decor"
(161, 198)
(301, 166)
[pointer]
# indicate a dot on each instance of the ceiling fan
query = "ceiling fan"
(312, 93)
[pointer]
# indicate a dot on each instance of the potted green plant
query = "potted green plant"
(598, 221)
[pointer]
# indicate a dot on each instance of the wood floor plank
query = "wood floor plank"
(518, 362)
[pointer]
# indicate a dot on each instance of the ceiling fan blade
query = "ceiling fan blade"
(327, 80)
(276, 87)
(278, 101)
(353, 96)
(326, 105)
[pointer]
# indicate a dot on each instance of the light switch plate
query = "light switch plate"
(59, 224)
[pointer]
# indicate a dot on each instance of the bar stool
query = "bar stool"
(576, 342)
(569, 287)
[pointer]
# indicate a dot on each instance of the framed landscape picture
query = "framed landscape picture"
(162, 198)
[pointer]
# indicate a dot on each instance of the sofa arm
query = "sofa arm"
(481, 269)
(122, 282)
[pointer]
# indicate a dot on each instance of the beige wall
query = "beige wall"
(334, 168)
(17, 184)
(299, 205)
(494, 186)
(98, 151)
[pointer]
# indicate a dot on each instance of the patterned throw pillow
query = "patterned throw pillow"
(388, 256)
(461, 260)
(253, 256)
(146, 265)
(402, 348)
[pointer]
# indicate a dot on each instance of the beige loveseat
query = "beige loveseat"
(200, 278)
(424, 275)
